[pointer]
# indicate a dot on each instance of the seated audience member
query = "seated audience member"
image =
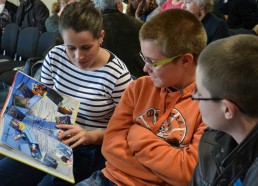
(7, 13)
(242, 14)
(156, 10)
(51, 22)
(216, 28)
(223, 7)
(216, 10)
(227, 81)
(153, 135)
(145, 8)
(96, 77)
(131, 7)
(171, 4)
(121, 35)
(32, 13)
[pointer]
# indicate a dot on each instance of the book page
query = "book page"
(36, 148)
(29, 118)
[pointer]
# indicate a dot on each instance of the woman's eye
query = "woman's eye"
(86, 48)
(71, 48)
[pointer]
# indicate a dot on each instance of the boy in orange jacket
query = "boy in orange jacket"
(153, 135)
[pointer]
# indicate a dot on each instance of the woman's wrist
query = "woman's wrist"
(94, 137)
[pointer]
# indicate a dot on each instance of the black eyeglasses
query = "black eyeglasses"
(194, 93)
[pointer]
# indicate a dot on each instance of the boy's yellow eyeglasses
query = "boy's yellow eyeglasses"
(159, 62)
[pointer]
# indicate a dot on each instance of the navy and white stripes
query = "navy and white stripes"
(98, 91)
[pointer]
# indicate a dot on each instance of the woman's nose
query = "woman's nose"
(79, 54)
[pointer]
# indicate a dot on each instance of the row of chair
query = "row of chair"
(25, 43)
(20, 45)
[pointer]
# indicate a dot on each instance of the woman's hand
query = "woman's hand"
(76, 135)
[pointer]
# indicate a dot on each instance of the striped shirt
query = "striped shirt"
(98, 91)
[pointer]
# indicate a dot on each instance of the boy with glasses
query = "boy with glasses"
(227, 81)
(153, 135)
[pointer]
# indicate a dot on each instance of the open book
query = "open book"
(28, 130)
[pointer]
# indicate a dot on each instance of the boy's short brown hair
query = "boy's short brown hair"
(230, 70)
(175, 32)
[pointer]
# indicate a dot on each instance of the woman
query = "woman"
(97, 78)
(144, 9)
(51, 22)
(171, 4)
(131, 7)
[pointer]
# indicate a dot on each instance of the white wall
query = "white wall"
(47, 2)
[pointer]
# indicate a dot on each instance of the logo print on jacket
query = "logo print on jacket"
(172, 129)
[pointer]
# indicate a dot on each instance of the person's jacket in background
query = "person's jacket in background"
(215, 27)
(242, 14)
(32, 13)
(12, 9)
(122, 38)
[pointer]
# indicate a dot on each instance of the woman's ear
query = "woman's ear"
(230, 109)
(102, 35)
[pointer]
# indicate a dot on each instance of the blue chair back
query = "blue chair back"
(47, 40)
(9, 40)
(27, 43)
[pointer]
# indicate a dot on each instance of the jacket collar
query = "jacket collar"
(247, 148)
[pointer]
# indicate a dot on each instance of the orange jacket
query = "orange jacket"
(137, 156)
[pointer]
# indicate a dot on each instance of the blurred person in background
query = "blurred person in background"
(156, 10)
(215, 27)
(239, 13)
(171, 4)
(32, 13)
(131, 7)
(51, 22)
(145, 8)
(7, 13)
(121, 35)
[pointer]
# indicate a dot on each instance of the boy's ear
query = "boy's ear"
(187, 59)
(230, 109)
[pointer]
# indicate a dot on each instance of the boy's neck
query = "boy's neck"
(242, 127)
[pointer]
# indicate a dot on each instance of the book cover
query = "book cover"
(28, 130)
